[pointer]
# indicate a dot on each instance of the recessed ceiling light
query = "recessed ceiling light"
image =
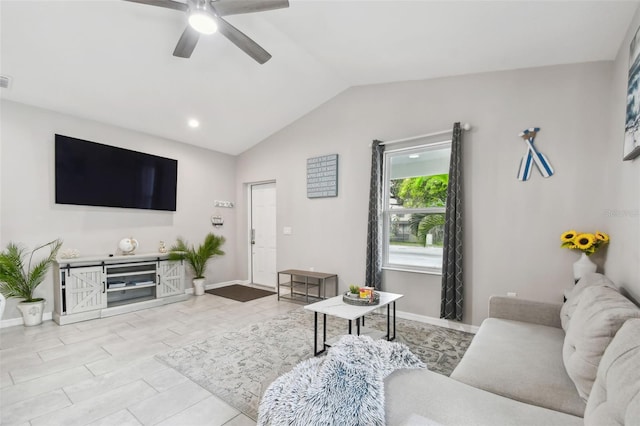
(414, 155)
(193, 123)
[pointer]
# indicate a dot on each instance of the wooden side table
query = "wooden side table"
(299, 289)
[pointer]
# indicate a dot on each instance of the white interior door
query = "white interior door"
(263, 234)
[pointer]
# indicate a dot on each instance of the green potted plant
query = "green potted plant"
(197, 258)
(354, 292)
(20, 280)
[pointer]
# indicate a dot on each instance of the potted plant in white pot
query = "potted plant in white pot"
(20, 280)
(197, 258)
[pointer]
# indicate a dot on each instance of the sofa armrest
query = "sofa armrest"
(523, 310)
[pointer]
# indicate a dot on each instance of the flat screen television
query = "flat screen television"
(93, 174)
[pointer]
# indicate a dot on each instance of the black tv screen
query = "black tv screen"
(93, 174)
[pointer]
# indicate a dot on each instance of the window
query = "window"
(415, 192)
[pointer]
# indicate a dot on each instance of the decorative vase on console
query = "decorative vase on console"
(583, 266)
(587, 244)
(128, 245)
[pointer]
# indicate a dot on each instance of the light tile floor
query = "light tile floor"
(103, 372)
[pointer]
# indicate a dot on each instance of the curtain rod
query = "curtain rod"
(465, 126)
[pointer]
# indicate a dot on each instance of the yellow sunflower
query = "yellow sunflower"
(568, 236)
(585, 241)
(602, 237)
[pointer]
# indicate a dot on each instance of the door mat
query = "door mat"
(240, 293)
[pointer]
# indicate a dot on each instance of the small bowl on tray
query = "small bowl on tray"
(355, 299)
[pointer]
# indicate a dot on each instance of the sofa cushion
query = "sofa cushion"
(615, 396)
(573, 296)
(422, 397)
(521, 361)
(531, 311)
(597, 318)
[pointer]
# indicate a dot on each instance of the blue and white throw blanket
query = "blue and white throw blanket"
(346, 387)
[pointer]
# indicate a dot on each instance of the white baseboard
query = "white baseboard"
(47, 316)
(11, 322)
(454, 325)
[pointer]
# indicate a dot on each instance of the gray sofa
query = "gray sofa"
(534, 363)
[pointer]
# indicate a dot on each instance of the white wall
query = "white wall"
(622, 183)
(28, 213)
(512, 228)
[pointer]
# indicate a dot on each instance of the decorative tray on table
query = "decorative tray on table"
(355, 299)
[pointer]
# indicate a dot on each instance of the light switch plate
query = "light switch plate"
(287, 230)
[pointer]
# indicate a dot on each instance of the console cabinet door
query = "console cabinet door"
(85, 289)
(170, 278)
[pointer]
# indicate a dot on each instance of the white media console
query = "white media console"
(101, 286)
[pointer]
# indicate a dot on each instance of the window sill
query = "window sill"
(414, 271)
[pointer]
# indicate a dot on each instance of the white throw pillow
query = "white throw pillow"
(615, 396)
(573, 297)
(599, 315)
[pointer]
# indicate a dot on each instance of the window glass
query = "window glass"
(415, 197)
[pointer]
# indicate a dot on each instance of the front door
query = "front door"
(263, 234)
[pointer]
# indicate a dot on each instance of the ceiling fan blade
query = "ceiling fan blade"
(235, 7)
(187, 43)
(169, 4)
(241, 40)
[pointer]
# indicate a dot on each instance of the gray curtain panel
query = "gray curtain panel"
(452, 288)
(373, 276)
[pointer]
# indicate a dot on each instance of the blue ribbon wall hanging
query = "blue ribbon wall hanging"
(533, 157)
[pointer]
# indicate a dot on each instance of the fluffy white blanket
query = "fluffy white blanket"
(346, 387)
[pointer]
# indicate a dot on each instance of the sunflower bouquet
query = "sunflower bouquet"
(585, 242)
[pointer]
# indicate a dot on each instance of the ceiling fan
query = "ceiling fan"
(205, 17)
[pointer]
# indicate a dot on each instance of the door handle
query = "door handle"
(253, 236)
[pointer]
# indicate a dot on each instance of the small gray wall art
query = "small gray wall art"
(322, 176)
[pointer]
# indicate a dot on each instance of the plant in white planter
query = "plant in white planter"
(197, 258)
(20, 281)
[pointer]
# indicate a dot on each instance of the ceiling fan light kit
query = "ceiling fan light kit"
(202, 22)
(205, 17)
(202, 19)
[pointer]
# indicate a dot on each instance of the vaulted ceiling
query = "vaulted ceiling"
(111, 61)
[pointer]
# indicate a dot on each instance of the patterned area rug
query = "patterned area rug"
(238, 366)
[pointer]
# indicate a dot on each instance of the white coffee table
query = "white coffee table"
(337, 308)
